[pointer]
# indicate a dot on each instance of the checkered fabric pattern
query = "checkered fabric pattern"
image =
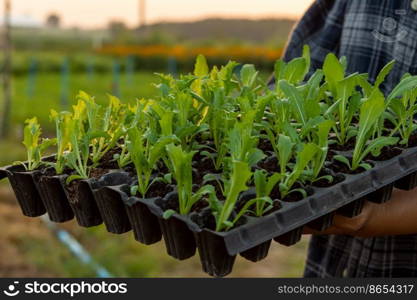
(370, 33)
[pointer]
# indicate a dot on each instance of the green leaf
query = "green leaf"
(201, 67)
(384, 73)
(376, 145)
(370, 112)
(333, 71)
(343, 160)
(366, 166)
(279, 71)
(405, 85)
(240, 176)
(248, 75)
(295, 70)
(134, 190)
(285, 147)
(295, 99)
(74, 177)
(168, 214)
(307, 59)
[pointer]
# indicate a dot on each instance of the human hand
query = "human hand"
(396, 217)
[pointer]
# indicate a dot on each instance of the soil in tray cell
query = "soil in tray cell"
(339, 167)
(387, 153)
(324, 183)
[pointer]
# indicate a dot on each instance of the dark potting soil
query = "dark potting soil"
(339, 167)
(72, 190)
(96, 173)
(276, 205)
(49, 172)
(198, 177)
(217, 186)
(269, 164)
(294, 196)
(330, 155)
(130, 168)
(206, 220)
(386, 154)
(323, 183)
(388, 125)
(265, 145)
(204, 166)
(200, 205)
(159, 189)
(297, 196)
(350, 145)
(412, 141)
(107, 161)
(172, 203)
(161, 168)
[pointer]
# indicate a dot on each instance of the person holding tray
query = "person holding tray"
(382, 241)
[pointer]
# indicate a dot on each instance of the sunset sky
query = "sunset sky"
(97, 13)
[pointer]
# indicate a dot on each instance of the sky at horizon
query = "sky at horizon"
(98, 13)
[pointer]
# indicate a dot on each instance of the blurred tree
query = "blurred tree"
(53, 21)
(120, 33)
(116, 28)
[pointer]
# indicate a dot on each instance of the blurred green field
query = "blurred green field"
(47, 90)
(46, 95)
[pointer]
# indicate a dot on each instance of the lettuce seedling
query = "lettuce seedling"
(264, 185)
(35, 146)
(104, 123)
(242, 142)
(181, 169)
(263, 203)
(294, 71)
(220, 112)
(78, 154)
(305, 155)
(370, 112)
(62, 130)
(178, 99)
(318, 134)
(243, 155)
(145, 155)
(234, 186)
(402, 111)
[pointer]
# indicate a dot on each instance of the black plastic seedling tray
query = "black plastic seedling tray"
(183, 236)
(346, 197)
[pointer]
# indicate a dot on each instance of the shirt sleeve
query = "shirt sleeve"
(320, 28)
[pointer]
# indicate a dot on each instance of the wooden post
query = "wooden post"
(7, 86)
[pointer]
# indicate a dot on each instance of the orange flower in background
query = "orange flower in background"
(239, 53)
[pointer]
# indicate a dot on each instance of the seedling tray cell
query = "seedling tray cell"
(110, 202)
(144, 223)
(257, 253)
(81, 200)
(54, 198)
(24, 184)
(407, 183)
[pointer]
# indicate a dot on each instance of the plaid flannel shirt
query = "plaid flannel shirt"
(370, 33)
